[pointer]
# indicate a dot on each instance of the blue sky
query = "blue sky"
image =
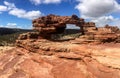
(19, 13)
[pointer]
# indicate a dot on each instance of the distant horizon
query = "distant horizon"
(19, 14)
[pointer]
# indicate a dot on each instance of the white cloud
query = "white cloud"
(102, 21)
(17, 12)
(21, 13)
(37, 2)
(11, 25)
(72, 26)
(99, 11)
(1, 25)
(3, 8)
(116, 22)
(32, 14)
(9, 5)
(15, 25)
(97, 8)
(51, 1)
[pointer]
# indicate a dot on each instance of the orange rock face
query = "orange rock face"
(49, 61)
(53, 24)
(35, 56)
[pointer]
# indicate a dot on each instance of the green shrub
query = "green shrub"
(9, 39)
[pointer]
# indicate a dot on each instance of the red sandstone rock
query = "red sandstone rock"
(53, 24)
(81, 61)
(58, 22)
(36, 56)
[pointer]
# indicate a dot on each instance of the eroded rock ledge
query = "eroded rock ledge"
(77, 61)
(36, 55)
(54, 24)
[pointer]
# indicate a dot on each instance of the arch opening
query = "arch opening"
(71, 31)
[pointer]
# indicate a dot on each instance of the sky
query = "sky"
(20, 13)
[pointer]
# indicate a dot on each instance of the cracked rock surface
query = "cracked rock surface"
(61, 60)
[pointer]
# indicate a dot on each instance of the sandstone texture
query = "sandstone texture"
(94, 54)
(53, 24)
(47, 26)
(61, 60)
(4, 48)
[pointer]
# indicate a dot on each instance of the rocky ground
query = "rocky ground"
(61, 60)
(95, 54)
(4, 48)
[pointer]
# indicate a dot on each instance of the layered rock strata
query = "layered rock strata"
(36, 56)
(61, 60)
(53, 24)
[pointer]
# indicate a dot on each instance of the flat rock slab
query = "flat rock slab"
(85, 61)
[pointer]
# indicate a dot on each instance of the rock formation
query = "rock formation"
(102, 34)
(54, 24)
(36, 56)
(61, 60)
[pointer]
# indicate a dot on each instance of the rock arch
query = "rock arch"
(53, 24)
